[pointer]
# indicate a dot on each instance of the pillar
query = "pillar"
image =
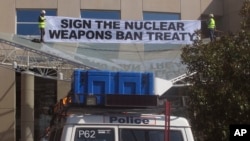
(27, 106)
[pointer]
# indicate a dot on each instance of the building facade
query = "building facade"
(16, 17)
(225, 11)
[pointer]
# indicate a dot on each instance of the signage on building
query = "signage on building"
(65, 29)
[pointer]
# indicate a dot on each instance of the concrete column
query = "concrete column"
(63, 87)
(27, 106)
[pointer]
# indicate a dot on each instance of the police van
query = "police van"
(118, 124)
(115, 112)
(122, 128)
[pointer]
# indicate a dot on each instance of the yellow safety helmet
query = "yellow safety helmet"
(211, 15)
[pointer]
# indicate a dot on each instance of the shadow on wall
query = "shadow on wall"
(7, 135)
(226, 15)
(216, 8)
(7, 91)
(7, 113)
(8, 131)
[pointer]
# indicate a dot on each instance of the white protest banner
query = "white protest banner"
(65, 29)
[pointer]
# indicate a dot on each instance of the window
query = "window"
(100, 14)
(160, 16)
(149, 135)
(27, 20)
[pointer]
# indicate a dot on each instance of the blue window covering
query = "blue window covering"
(101, 14)
(160, 16)
(27, 20)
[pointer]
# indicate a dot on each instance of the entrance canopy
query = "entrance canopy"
(162, 59)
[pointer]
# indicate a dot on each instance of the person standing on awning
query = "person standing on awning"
(211, 27)
(41, 24)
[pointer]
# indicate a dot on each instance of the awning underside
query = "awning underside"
(162, 59)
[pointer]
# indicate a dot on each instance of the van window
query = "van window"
(148, 135)
(94, 134)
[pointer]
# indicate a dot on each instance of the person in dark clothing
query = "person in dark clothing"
(41, 25)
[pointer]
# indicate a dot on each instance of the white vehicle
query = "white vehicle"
(103, 113)
(120, 127)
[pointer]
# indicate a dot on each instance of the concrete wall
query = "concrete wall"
(231, 16)
(131, 10)
(190, 10)
(101, 4)
(212, 6)
(7, 104)
(71, 9)
(8, 19)
(172, 6)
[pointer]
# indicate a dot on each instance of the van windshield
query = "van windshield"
(94, 134)
(149, 135)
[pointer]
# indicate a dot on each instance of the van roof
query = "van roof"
(128, 120)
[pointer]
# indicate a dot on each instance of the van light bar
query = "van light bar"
(131, 100)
